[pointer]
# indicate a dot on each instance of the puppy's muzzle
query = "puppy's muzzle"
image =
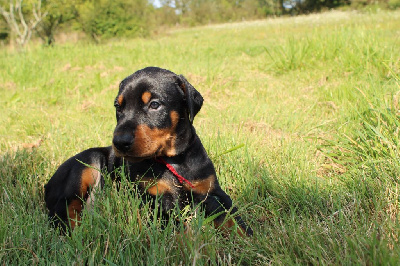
(123, 142)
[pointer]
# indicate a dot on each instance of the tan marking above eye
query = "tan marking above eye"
(120, 99)
(146, 96)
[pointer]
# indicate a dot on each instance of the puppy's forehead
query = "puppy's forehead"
(155, 84)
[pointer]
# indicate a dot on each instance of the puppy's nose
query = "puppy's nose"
(123, 142)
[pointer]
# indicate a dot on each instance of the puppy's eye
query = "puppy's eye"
(154, 105)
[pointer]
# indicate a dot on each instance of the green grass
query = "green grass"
(301, 118)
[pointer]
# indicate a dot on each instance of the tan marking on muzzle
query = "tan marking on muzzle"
(156, 142)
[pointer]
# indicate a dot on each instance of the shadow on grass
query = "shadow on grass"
(118, 229)
(294, 220)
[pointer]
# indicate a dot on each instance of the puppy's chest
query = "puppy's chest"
(156, 180)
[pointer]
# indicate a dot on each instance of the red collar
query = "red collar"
(173, 171)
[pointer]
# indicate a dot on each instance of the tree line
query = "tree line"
(103, 19)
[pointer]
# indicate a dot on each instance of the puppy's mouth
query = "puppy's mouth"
(134, 157)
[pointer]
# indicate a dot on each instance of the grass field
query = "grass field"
(301, 118)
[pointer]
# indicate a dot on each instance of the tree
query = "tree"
(113, 18)
(17, 20)
(59, 11)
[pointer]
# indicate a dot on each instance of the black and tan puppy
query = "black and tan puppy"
(156, 141)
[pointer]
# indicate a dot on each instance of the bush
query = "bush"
(107, 18)
(394, 4)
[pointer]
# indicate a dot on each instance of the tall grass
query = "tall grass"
(301, 120)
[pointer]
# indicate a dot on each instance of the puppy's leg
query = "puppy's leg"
(73, 183)
(219, 202)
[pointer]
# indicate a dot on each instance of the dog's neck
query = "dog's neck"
(192, 160)
(184, 139)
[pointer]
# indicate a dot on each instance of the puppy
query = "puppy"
(156, 142)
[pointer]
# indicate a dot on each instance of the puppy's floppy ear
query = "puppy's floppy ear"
(193, 98)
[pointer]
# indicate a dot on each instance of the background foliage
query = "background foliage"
(104, 19)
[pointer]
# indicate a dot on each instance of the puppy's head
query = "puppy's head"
(155, 109)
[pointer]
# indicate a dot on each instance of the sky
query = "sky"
(156, 3)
